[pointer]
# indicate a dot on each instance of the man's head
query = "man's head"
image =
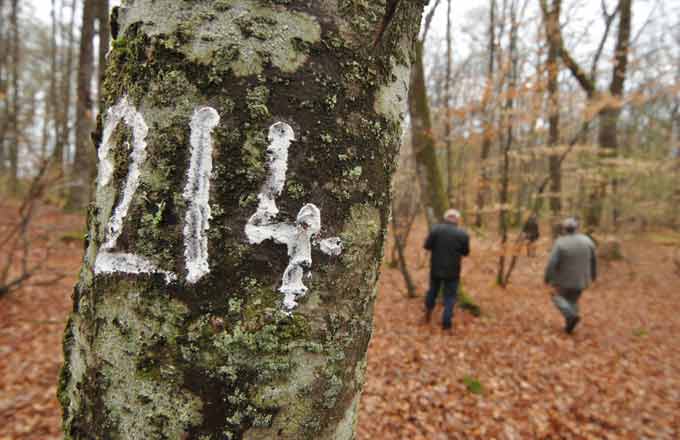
(452, 216)
(570, 225)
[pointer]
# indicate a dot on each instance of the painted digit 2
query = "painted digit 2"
(297, 236)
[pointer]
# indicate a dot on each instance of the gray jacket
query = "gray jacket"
(572, 263)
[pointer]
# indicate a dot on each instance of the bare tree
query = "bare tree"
(488, 136)
(608, 103)
(84, 161)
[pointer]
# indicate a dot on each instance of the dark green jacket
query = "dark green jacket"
(447, 244)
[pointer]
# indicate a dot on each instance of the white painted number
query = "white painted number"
(296, 235)
(261, 226)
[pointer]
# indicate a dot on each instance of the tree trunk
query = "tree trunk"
(450, 164)
(62, 109)
(3, 88)
(84, 161)
(423, 140)
(183, 326)
(508, 109)
(552, 23)
(400, 242)
(13, 113)
(484, 177)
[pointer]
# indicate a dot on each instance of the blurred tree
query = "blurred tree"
(609, 103)
(488, 136)
(84, 160)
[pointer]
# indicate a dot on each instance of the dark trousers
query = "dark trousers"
(566, 301)
(450, 294)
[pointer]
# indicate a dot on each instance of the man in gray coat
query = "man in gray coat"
(572, 267)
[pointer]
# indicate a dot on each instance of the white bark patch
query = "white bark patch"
(133, 119)
(116, 262)
(331, 246)
(296, 236)
(197, 193)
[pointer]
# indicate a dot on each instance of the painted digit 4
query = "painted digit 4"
(297, 236)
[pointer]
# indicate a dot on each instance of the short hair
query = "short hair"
(570, 224)
(452, 214)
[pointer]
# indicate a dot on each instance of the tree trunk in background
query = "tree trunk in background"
(423, 141)
(182, 325)
(508, 110)
(84, 160)
(104, 37)
(52, 99)
(63, 108)
(484, 177)
(3, 88)
(450, 153)
(552, 23)
(611, 106)
(609, 115)
(13, 103)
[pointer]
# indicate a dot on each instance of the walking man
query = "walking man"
(531, 233)
(572, 267)
(447, 243)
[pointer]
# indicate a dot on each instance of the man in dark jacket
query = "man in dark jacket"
(572, 267)
(531, 233)
(448, 244)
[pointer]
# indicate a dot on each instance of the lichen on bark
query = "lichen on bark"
(151, 357)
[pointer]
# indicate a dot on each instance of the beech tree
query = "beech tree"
(83, 164)
(244, 161)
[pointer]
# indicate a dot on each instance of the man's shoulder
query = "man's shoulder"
(574, 240)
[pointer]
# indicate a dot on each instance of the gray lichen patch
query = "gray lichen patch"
(289, 396)
(392, 98)
(206, 34)
(361, 233)
(358, 20)
(136, 340)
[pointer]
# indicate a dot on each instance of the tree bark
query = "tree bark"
(423, 140)
(183, 326)
(13, 103)
(84, 160)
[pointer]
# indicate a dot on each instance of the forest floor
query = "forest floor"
(510, 374)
